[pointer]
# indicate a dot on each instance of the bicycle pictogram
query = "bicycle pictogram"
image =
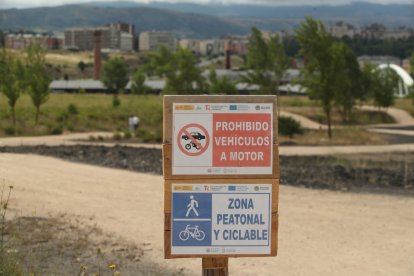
(193, 232)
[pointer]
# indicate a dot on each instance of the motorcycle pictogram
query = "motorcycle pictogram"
(196, 135)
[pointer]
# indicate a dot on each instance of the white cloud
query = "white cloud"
(39, 3)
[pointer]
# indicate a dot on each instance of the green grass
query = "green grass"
(94, 113)
(296, 101)
(342, 136)
(359, 117)
(405, 104)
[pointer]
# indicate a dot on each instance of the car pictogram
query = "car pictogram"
(195, 135)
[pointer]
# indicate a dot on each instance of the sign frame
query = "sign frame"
(168, 138)
(168, 217)
(219, 260)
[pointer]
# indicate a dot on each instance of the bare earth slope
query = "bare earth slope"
(321, 232)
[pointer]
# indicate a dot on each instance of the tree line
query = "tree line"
(331, 75)
(24, 75)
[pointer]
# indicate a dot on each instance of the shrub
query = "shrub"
(57, 130)
(9, 131)
(63, 116)
(289, 127)
(127, 135)
(70, 127)
(73, 109)
(117, 136)
(116, 101)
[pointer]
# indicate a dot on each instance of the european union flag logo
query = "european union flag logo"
(233, 107)
(232, 188)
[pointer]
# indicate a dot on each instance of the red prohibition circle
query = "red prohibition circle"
(184, 130)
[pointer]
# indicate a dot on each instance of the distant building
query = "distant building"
(192, 44)
(22, 41)
(211, 47)
(123, 27)
(267, 35)
(239, 47)
(378, 60)
(82, 38)
(398, 33)
(374, 30)
(341, 29)
(152, 41)
(117, 36)
(406, 65)
(127, 42)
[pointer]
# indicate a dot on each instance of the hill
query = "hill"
(144, 18)
(198, 20)
(358, 13)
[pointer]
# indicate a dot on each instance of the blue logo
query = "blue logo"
(232, 188)
(233, 107)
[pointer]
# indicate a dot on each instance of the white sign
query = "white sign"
(221, 219)
(222, 138)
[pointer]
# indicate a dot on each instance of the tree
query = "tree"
(347, 79)
(12, 85)
(82, 66)
(178, 69)
(2, 39)
(138, 83)
(37, 78)
(384, 85)
(220, 85)
(267, 62)
(318, 75)
(115, 74)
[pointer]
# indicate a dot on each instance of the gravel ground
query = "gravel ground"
(63, 246)
(388, 173)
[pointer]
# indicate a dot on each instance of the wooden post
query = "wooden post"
(215, 266)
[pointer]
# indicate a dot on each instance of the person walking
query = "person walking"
(192, 206)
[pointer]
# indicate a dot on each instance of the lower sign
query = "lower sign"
(221, 219)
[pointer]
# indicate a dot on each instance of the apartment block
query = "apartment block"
(116, 36)
(22, 41)
(152, 41)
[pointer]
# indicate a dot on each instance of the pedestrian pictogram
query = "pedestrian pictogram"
(193, 139)
(192, 206)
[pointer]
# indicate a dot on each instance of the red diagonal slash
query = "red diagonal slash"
(184, 131)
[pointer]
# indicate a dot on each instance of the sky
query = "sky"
(4, 4)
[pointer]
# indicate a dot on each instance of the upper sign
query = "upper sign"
(222, 138)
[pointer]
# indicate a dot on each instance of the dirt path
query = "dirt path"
(400, 116)
(73, 139)
(321, 232)
(305, 122)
